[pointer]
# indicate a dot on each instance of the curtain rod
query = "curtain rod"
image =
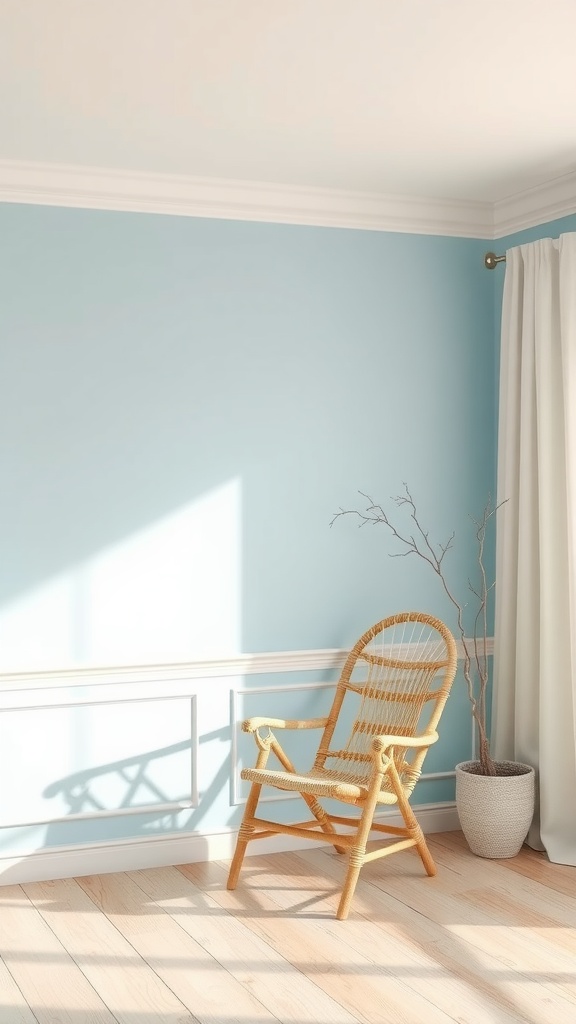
(491, 259)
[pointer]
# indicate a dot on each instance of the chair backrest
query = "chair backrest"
(397, 678)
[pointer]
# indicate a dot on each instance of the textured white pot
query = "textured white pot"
(495, 811)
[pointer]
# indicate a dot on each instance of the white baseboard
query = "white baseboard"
(160, 851)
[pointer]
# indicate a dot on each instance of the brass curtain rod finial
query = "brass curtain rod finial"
(491, 259)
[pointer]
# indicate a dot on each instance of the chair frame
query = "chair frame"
(382, 765)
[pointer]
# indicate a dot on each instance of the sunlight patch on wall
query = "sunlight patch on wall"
(168, 593)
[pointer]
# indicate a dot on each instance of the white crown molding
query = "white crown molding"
(537, 205)
(97, 188)
(175, 848)
(106, 189)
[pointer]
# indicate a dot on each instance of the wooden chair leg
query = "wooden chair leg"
(245, 831)
(352, 875)
(358, 851)
(415, 832)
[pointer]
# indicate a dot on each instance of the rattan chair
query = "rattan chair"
(389, 699)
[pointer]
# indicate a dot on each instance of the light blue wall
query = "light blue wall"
(149, 360)
(253, 376)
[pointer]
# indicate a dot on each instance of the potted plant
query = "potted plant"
(494, 799)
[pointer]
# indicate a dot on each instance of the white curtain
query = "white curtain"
(534, 703)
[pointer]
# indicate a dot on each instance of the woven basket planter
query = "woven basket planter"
(495, 811)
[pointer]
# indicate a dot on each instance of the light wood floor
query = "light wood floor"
(484, 942)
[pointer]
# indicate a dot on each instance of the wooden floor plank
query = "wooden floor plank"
(485, 920)
(13, 1007)
(482, 912)
(129, 987)
(52, 984)
(536, 904)
(265, 971)
(514, 915)
(528, 863)
(203, 986)
(418, 962)
(500, 964)
(483, 942)
(424, 955)
(314, 948)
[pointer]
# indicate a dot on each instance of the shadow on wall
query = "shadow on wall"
(143, 807)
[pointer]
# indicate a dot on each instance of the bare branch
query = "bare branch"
(475, 662)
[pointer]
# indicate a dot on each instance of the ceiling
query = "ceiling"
(472, 100)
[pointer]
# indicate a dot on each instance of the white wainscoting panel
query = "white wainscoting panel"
(203, 701)
(106, 738)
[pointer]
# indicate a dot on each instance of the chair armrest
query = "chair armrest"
(381, 743)
(253, 724)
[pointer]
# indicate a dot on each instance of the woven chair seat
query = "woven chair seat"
(319, 783)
